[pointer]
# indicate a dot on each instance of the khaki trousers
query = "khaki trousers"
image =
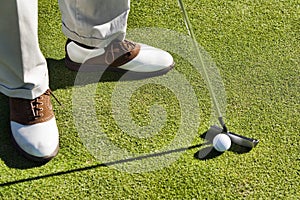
(23, 68)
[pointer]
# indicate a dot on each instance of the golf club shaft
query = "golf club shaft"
(198, 54)
(238, 139)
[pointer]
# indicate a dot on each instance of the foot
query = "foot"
(119, 56)
(33, 127)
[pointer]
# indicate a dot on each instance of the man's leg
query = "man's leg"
(24, 78)
(94, 22)
(96, 30)
(23, 68)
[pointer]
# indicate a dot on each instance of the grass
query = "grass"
(255, 45)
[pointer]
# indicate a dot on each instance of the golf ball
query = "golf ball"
(221, 142)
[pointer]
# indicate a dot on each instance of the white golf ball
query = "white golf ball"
(222, 142)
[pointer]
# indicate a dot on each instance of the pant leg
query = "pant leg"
(23, 68)
(94, 22)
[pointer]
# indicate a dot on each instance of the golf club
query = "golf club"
(235, 138)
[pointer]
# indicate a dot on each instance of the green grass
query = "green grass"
(255, 45)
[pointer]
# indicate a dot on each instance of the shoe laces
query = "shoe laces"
(35, 105)
(35, 109)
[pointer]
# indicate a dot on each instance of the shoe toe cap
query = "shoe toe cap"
(38, 140)
(150, 59)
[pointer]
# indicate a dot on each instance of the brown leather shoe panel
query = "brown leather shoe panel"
(116, 54)
(28, 112)
(126, 57)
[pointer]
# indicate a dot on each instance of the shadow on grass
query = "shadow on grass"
(101, 165)
(205, 153)
(60, 77)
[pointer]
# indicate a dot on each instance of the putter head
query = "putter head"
(242, 140)
(239, 143)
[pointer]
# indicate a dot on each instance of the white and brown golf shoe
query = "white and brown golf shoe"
(137, 60)
(33, 127)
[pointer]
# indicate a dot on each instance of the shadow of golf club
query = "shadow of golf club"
(205, 153)
(101, 165)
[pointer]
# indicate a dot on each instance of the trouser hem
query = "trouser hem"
(23, 92)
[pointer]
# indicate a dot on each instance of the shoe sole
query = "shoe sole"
(30, 157)
(129, 74)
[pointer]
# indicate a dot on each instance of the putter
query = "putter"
(236, 139)
(239, 140)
